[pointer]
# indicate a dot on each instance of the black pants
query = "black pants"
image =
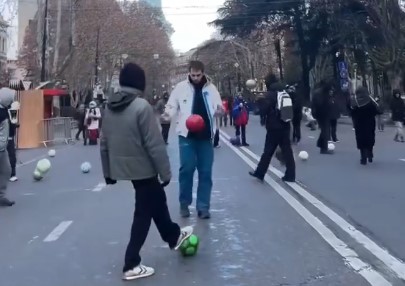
(216, 138)
(12, 156)
(275, 138)
(241, 129)
(81, 129)
(366, 153)
(324, 136)
(165, 131)
(150, 203)
(296, 123)
(223, 120)
(333, 127)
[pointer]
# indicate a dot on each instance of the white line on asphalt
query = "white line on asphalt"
(403, 160)
(393, 263)
(311, 137)
(99, 187)
(348, 254)
(214, 180)
(58, 231)
(31, 161)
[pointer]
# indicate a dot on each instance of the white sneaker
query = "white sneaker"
(185, 233)
(13, 179)
(140, 271)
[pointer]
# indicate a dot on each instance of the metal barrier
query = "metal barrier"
(56, 130)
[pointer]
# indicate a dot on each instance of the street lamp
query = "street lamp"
(156, 58)
(236, 65)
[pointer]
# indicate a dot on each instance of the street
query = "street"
(341, 224)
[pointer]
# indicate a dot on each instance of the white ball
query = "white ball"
(250, 83)
(51, 153)
(37, 175)
(43, 166)
(85, 167)
(331, 147)
(303, 155)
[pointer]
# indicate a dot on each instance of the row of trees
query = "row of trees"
(370, 34)
(94, 38)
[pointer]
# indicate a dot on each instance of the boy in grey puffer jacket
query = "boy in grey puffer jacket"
(6, 98)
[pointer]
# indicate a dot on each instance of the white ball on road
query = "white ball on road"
(43, 166)
(303, 155)
(37, 175)
(52, 153)
(85, 167)
(331, 147)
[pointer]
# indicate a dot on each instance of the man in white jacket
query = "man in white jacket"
(195, 95)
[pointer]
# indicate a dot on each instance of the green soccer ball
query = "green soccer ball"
(189, 247)
(37, 175)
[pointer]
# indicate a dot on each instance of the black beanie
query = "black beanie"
(133, 76)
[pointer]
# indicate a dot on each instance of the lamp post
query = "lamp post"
(238, 77)
(155, 63)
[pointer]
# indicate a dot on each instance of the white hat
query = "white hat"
(15, 106)
(6, 96)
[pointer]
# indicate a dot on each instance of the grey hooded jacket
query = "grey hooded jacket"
(132, 147)
(6, 98)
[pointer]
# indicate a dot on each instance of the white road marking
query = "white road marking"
(213, 179)
(33, 239)
(99, 187)
(31, 161)
(393, 263)
(311, 137)
(348, 254)
(58, 231)
(403, 160)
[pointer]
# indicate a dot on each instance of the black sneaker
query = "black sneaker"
(4, 202)
(204, 214)
(253, 174)
(184, 211)
(287, 179)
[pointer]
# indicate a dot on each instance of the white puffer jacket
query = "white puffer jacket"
(181, 104)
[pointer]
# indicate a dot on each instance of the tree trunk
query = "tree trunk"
(303, 55)
(57, 41)
(395, 79)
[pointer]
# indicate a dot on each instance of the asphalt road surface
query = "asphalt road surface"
(341, 225)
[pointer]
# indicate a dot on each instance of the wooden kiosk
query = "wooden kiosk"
(35, 106)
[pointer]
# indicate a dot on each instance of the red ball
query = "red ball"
(195, 123)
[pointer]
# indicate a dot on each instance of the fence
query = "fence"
(56, 130)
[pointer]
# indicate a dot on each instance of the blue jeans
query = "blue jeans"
(195, 154)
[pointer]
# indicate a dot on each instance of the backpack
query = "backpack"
(285, 106)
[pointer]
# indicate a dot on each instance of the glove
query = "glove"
(164, 184)
(110, 181)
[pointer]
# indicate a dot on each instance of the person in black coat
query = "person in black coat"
(398, 114)
(321, 112)
(297, 109)
(363, 109)
(334, 113)
(278, 134)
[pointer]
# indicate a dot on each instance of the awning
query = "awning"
(55, 92)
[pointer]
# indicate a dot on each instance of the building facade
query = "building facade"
(27, 9)
(3, 45)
